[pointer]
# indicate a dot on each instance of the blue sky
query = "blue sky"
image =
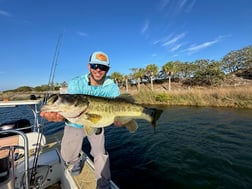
(134, 33)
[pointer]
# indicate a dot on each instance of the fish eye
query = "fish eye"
(54, 98)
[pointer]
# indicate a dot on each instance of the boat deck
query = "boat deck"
(86, 179)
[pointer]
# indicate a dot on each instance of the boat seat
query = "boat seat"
(17, 140)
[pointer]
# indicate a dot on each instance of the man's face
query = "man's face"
(98, 71)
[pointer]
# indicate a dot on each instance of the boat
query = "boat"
(31, 159)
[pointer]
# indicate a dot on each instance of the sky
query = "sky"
(134, 33)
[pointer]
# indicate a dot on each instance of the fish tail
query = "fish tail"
(154, 115)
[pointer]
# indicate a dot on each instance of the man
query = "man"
(98, 84)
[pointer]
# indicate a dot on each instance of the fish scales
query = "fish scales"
(94, 112)
(113, 106)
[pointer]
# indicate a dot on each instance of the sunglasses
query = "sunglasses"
(100, 66)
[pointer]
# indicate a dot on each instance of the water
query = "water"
(190, 148)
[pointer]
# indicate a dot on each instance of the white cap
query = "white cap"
(99, 57)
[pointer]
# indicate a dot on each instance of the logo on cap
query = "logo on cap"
(101, 57)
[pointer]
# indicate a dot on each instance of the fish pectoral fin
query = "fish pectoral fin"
(94, 118)
(127, 122)
(131, 126)
(89, 130)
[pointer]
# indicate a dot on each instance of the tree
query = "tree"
(151, 70)
(117, 76)
(138, 73)
(170, 67)
(207, 73)
(24, 89)
(237, 60)
(41, 88)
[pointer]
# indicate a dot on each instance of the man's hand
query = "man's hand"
(52, 116)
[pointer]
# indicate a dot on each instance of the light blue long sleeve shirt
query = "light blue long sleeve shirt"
(80, 85)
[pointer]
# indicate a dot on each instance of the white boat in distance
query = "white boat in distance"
(29, 159)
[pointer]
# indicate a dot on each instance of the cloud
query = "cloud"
(174, 39)
(161, 40)
(181, 4)
(4, 13)
(176, 47)
(195, 48)
(145, 26)
(156, 42)
(164, 3)
(175, 55)
(172, 42)
(82, 34)
(175, 7)
(190, 6)
(186, 5)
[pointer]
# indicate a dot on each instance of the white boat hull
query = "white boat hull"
(35, 160)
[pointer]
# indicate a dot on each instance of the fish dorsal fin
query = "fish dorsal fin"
(127, 98)
(94, 118)
(89, 130)
(131, 126)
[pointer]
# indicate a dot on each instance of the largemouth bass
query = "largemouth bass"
(94, 112)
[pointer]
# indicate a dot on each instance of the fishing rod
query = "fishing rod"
(50, 87)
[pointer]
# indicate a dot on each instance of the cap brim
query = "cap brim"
(101, 63)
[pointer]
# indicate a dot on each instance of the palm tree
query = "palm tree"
(169, 69)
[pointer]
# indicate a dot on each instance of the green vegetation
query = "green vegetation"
(224, 83)
(235, 97)
(197, 73)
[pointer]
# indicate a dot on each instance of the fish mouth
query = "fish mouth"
(78, 115)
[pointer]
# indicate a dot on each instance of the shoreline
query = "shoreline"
(228, 97)
(223, 97)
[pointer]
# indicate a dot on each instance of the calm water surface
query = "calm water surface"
(190, 148)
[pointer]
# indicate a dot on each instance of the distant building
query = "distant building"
(63, 88)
